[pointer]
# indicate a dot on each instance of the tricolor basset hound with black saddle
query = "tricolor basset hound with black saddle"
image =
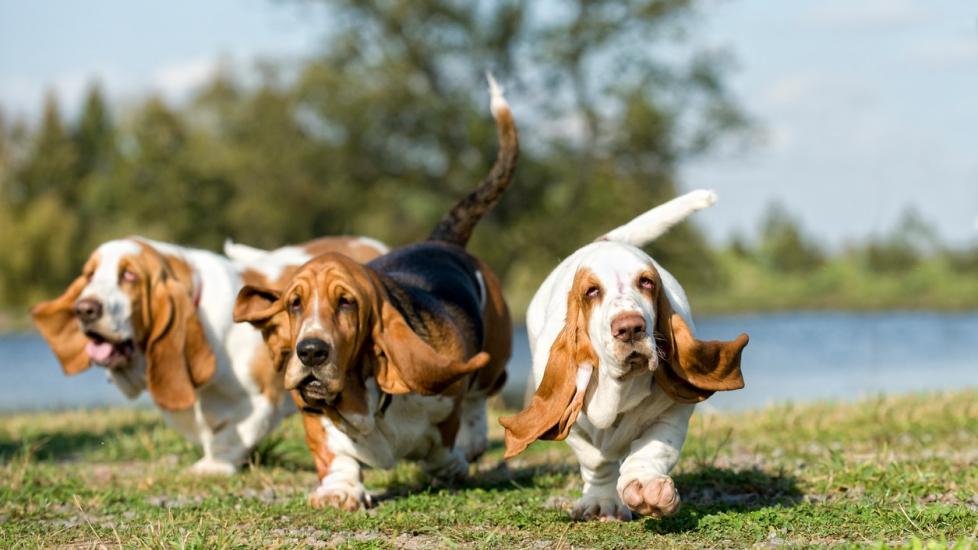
(158, 316)
(617, 369)
(395, 359)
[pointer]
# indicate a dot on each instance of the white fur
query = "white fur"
(628, 428)
(408, 429)
(654, 223)
(497, 102)
(231, 413)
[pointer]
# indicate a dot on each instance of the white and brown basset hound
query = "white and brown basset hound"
(158, 317)
(395, 359)
(617, 369)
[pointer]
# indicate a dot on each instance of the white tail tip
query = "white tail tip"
(497, 103)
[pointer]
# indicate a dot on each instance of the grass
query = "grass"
(889, 471)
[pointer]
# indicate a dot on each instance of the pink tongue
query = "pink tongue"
(99, 353)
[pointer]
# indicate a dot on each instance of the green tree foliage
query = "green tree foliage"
(382, 131)
(902, 249)
(783, 245)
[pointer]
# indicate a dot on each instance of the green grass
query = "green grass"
(889, 471)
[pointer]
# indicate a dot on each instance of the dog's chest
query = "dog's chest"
(407, 429)
(640, 406)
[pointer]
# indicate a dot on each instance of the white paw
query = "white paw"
(213, 467)
(603, 508)
(655, 497)
(342, 494)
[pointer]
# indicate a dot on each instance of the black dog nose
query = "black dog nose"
(88, 310)
(312, 352)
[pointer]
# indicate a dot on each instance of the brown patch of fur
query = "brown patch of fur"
(316, 439)
(556, 403)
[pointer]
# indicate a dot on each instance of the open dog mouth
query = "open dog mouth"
(106, 352)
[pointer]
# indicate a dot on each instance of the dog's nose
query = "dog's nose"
(312, 352)
(88, 310)
(628, 327)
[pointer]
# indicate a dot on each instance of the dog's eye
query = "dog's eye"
(593, 292)
(129, 276)
(345, 304)
(646, 283)
(295, 306)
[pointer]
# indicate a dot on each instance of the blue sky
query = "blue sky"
(865, 107)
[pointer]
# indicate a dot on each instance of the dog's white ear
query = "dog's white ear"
(560, 397)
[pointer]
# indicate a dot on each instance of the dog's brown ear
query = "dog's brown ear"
(406, 363)
(55, 320)
(178, 357)
(262, 307)
(691, 370)
(560, 396)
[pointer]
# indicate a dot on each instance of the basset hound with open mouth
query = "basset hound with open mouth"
(617, 368)
(395, 359)
(158, 317)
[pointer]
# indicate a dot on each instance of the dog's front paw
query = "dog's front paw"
(345, 495)
(655, 497)
(601, 508)
(213, 467)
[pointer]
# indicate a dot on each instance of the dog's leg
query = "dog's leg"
(340, 479)
(599, 472)
(644, 484)
(445, 466)
(230, 440)
(473, 433)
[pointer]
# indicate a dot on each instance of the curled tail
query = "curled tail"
(457, 225)
(654, 223)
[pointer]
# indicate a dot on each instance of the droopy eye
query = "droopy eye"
(593, 292)
(646, 283)
(295, 306)
(345, 303)
(129, 276)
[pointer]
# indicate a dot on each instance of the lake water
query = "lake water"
(794, 357)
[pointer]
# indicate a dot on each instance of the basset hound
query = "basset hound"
(617, 368)
(158, 317)
(395, 359)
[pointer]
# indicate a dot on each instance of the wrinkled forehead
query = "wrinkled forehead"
(323, 273)
(616, 264)
(106, 260)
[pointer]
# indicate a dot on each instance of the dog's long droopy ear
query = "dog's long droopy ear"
(55, 320)
(559, 398)
(262, 308)
(406, 363)
(178, 357)
(692, 370)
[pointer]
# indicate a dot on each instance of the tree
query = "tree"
(400, 100)
(903, 248)
(94, 134)
(783, 244)
(52, 162)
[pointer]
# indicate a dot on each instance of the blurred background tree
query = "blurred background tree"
(383, 129)
(381, 132)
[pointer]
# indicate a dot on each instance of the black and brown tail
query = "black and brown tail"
(457, 225)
